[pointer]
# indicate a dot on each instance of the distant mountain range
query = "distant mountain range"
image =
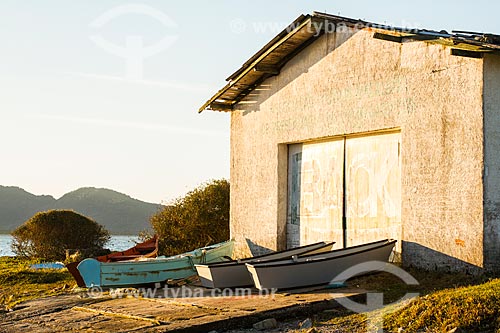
(117, 212)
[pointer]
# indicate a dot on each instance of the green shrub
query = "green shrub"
(48, 234)
(196, 220)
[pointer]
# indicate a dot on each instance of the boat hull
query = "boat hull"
(149, 271)
(147, 249)
(235, 274)
(316, 269)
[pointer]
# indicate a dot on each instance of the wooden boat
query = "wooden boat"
(150, 270)
(235, 274)
(317, 269)
(147, 249)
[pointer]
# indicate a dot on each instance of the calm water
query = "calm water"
(117, 243)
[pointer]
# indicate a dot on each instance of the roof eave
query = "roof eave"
(216, 104)
(259, 68)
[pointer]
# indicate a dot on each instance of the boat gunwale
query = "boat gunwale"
(251, 259)
(304, 261)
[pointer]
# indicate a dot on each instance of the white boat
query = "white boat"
(317, 269)
(235, 274)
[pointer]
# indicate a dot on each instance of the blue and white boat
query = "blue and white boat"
(151, 270)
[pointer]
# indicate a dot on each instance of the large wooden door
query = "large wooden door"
(315, 192)
(373, 188)
(367, 170)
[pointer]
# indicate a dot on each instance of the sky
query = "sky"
(106, 93)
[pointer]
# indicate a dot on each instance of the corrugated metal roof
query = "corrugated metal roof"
(307, 28)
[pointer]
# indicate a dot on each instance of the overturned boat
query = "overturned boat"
(151, 270)
(317, 269)
(235, 274)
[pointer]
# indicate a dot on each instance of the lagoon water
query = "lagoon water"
(117, 243)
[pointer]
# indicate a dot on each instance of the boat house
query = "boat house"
(348, 131)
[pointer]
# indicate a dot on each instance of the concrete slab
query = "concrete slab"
(131, 311)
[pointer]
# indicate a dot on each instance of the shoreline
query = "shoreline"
(116, 243)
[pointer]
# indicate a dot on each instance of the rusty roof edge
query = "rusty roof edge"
(489, 42)
(282, 37)
(467, 36)
(291, 27)
(361, 24)
(214, 98)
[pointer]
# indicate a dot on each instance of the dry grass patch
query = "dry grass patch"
(446, 301)
(19, 283)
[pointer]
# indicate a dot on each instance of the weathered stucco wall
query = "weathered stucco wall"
(349, 83)
(443, 160)
(492, 162)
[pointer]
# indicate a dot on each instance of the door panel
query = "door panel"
(373, 188)
(319, 197)
(294, 193)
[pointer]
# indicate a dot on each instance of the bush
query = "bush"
(196, 220)
(48, 234)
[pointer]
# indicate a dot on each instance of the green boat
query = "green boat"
(151, 270)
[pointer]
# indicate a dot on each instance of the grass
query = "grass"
(473, 308)
(19, 283)
(446, 301)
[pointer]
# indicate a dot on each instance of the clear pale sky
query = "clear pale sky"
(73, 114)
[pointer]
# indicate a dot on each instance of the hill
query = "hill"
(118, 212)
(17, 205)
